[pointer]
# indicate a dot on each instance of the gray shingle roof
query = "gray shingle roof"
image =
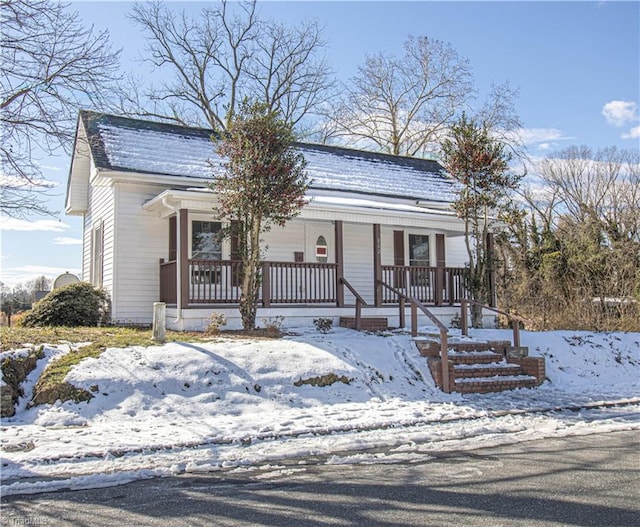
(133, 145)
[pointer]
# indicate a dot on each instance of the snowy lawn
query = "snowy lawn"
(238, 403)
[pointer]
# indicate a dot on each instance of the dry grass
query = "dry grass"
(94, 341)
(51, 381)
(107, 337)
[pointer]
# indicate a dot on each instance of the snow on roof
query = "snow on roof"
(133, 145)
(379, 205)
(350, 170)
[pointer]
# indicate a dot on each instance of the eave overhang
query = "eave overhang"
(323, 207)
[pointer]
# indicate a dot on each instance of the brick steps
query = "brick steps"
(483, 367)
(495, 385)
(464, 371)
(483, 357)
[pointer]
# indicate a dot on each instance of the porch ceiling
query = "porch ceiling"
(168, 202)
(354, 209)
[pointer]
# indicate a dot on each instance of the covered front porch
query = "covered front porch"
(216, 282)
(331, 259)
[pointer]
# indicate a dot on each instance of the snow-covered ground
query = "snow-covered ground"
(232, 404)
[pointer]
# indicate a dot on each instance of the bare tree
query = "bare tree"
(51, 66)
(572, 257)
(602, 185)
(223, 55)
(498, 115)
(402, 105)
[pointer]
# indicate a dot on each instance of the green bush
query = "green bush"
(78, 304)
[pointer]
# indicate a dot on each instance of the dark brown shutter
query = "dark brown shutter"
(398, 259)
(173, 239)
(398, 247)
(236, 253)
(440, 254)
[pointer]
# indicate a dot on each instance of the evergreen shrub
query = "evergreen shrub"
(79, 304)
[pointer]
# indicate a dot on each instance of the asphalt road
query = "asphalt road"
(576, 481)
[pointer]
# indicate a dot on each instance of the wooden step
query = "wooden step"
(368, 323)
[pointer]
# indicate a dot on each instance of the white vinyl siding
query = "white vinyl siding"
(99, 217)
(358, 260)
(143, 239)
(456, 251)
(281, 243)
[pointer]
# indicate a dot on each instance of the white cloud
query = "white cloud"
(543, 138)
(19, 275)
(620, 113)
(634, 133)
(62, 240)
(52, 168)
(14, 182)
(15, 224)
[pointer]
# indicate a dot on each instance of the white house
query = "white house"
(376, 227)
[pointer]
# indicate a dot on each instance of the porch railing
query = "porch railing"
(214, 281)
(515, 320)
(218, 282)
(430, 285)
(359, 303)
(168, 282)
(298, 283)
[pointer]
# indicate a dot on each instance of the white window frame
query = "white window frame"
(97, 254)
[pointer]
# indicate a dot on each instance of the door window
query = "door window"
(419, 250)
(205, 243)
(419, 257)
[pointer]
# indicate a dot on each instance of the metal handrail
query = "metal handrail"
(415, 305)
(464, 323)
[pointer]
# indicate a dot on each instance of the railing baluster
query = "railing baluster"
(217, 281)
(420, 282)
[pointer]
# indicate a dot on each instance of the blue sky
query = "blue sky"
(577, 65)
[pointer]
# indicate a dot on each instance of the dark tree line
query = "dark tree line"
(569, 252)
(21, 296)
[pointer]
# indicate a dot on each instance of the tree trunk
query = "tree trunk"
(251, 279)
(476, 316)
